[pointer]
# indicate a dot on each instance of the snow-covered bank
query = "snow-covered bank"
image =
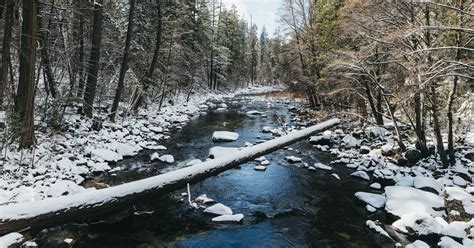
(63, 160)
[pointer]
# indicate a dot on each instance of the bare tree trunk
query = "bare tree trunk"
(93, 71)
(379, 108)
(43, 42)
(419, 127)
(370, 98)
(81, 52)
(452, 94)
(151, 70)
(123, 67)
(26, 85)
(7, 37)
(395, 124)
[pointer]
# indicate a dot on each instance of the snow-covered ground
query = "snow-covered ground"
(61, 161)
(425, 198)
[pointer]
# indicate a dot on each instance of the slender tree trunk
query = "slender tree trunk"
(123, 67)
(26, 86)
(395, 124)
(140, 98)
(93, 71)
(379, 107)
(43, 42)
(370, 98)
(452, 94)
(419, 127)
(80, 63)
(7, 37)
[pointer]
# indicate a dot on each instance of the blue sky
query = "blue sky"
(263, 12)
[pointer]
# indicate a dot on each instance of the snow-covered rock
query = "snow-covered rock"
(167, 159)
(467, 200)
(336, 176)
(371, 224)
(361, 174)
(322, 166)
(265, 162)
(293, 159)
(260, 168)
(218, 209)
(105, 155)
(429, 183)
(403, 200)
(376, 186)
(125, 150)
(375, 200)
(224, 136)
(375, 132)
(154, 156)
(229, 218)
(350, 141)
(10, 239)
(204, 199)
(219, 151)
(254, 113)
(417, 244)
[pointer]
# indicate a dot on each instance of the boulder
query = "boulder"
(413, 155)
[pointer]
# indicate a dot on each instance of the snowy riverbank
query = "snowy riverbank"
(62, 161)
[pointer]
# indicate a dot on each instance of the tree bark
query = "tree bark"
(124, 66)
(7, 37)
(81, 53)
(43, 42)
(94, 203)
(140, 98)
(370, 98)
(26, 86)
(93, 71)
(419, 127)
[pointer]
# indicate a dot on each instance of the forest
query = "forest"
(114, 113)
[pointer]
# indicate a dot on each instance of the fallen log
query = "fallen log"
(52, 211)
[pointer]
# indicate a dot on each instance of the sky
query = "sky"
(263, 12)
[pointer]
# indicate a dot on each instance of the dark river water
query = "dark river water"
(284, 206)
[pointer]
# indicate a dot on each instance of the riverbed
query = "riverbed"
(286, 205)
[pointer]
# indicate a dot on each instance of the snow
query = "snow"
(229, 218)
(260, 168)
(193, 162)
(10, 239)
(68, 241)
(336, 176)
(375, 200)
(403, 201)
(204, 199)
(254, 113)
(224, 136)
(265, 162)
(376, 131)
(293, 159)
(370, 208)
(125, 150)
(361, 174)
(218, 209)
(154, 156)
(377, 228)
(417, 244)
(167, 159)
(25, 210)
(459, 181)
(456, 193)
(219, 151)
(376, 186)
(350, 141)
(421, 182)
(105, 155)
(322, 166)
(447, 242)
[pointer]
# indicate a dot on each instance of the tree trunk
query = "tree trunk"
(94, 203)
(370, 98)
(452, 94)
(93, 71)
(123, 67)
(26, 86)
(81, 53)
(395, 124)
(7, 37)
(437, 128)
(379, 108)
(43, 42)
(419, 127)
(140, 98)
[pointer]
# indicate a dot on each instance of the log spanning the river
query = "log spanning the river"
(52, 211)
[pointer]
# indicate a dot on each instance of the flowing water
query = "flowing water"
(284, 206)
